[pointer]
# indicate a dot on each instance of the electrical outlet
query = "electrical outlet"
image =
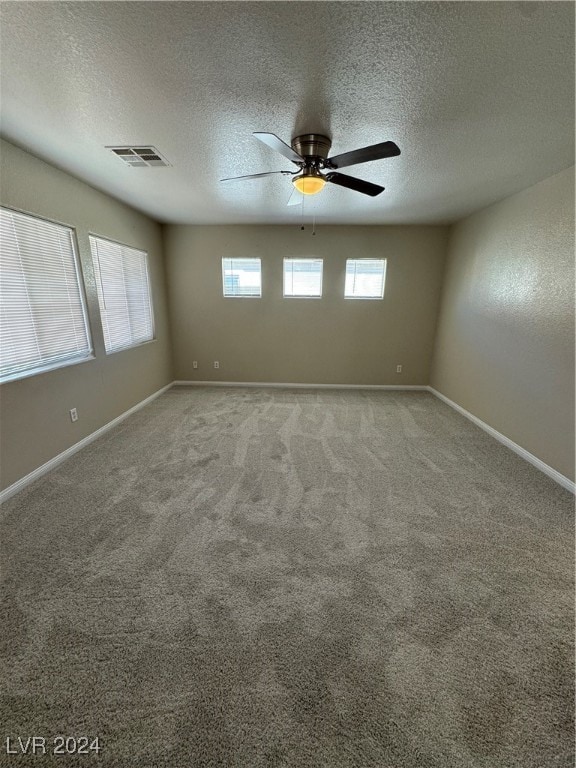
(398, 369)
(216, 364)
(73, 414)
(194, 363)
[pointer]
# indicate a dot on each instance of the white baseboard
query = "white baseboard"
(291, 385)
(36, 473)
(52, 463)
(534, 460)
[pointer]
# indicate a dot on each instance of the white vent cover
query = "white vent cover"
(140, 157)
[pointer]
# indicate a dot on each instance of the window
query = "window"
(242, 277)
(43, 322)
(303, 277)
(123, 294)
(365, 278)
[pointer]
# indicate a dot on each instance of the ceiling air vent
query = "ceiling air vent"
(140, 157)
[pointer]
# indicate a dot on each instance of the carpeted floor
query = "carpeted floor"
(258, 578)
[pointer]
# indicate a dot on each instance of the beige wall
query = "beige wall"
(505, 343)
(327, 340)
(504, 347)
(34, 411)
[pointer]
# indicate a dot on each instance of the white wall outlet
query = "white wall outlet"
(73, 414)
(216, 364)
(398, 369)
(194, 363)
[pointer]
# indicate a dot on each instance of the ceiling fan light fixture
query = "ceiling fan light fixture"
(309, 183)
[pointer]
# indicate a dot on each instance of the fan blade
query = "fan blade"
(256, 175)
(375, 152)
(295, 198)
(358, 185)
(272, 141)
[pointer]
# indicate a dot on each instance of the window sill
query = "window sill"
(45, 369)
(130, 346)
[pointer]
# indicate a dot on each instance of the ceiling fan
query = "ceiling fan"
(310, 153)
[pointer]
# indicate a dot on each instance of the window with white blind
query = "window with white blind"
(303, 278)
(242, 277)
(123, 294)
(43, 322)
(365, 278)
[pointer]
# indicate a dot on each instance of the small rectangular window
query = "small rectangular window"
(242, 277)
(365, 278)
(123, 294)
(43, 322)
(303, 278)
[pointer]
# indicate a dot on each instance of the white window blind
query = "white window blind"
(365, 278)
(43, 323)
(303, 277)
(242, 277)
(123, 294)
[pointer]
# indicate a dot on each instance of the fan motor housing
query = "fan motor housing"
(312, 145)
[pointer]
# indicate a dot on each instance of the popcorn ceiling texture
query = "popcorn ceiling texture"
(478, 96)
(265, 578)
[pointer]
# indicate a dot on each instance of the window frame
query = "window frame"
(99, 287)
(239, 295)
(366, 298)
(76, 359)
(302, 295)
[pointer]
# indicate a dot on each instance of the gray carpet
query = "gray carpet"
(297, 579)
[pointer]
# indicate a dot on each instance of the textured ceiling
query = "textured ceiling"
(479, 96)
